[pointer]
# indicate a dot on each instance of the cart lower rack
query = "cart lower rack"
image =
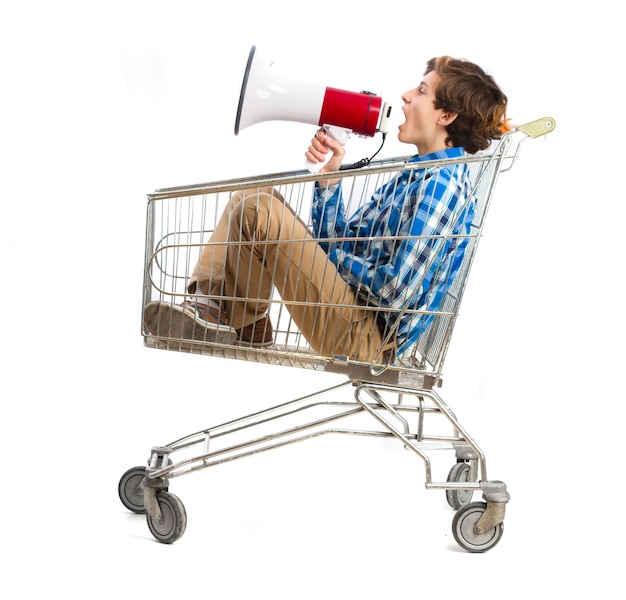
(393, 386)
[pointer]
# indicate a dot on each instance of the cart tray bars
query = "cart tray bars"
(393, 394)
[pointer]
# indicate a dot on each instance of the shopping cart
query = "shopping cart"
(393, 396)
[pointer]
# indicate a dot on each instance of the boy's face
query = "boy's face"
(422, 125)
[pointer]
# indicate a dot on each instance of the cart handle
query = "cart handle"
(537, 128)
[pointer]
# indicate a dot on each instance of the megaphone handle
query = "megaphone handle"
(337, 133)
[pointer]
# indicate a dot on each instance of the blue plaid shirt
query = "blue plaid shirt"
(390, 256)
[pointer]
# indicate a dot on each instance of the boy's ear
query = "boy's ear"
(447, 117)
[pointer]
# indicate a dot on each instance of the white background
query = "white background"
(102, 103)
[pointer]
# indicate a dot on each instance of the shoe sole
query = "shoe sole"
(171, 321)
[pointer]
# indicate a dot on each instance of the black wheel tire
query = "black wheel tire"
(174, 520)
(463, 529)
(130, 489)
(458, 498)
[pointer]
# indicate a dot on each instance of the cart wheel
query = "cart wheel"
(130, 489)
(463, 529)
(174, 520)
(457, 498)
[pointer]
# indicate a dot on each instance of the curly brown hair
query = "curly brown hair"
(480, 104)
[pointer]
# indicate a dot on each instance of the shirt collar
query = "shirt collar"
(455, 152)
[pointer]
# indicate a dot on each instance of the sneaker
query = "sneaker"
(189, 320)
(258, 334)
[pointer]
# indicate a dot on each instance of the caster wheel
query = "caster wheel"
(456, 498)
(130, 489)
(463, 529)
(174, 521)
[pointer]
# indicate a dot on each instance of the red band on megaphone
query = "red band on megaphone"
(358, 112)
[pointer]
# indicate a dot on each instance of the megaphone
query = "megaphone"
(269, 95)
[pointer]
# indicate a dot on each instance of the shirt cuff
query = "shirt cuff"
(325, 193)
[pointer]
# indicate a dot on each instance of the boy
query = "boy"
(326, 285)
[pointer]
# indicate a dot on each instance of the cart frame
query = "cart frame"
(399, 397)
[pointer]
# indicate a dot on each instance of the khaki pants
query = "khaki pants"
(259, 244)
